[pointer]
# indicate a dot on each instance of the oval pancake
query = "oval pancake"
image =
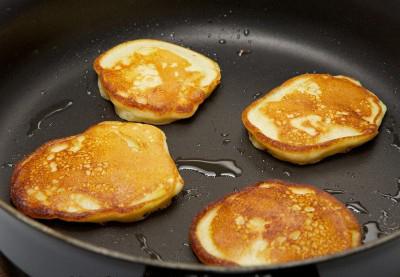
(312, 116)
(155, 82)
(113, 171)
(273, 222)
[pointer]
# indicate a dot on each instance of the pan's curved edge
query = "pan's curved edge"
(185, 266)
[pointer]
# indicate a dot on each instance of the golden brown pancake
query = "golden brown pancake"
(273, 222)
(155, 82)
(111, 172)
(312, 116)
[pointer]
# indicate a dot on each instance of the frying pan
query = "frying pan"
(48, 90)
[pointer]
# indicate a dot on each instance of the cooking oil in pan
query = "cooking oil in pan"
(191, 193)
(390, 130)
(395, 198)
(243, 52)
(7, 165)
(371, 231)
(287, 173)
(334, 191)
(37, 121)
(145, 247)
(396, 142)
(210, 168)
(255, 96)
(357, 207)
(240, 150)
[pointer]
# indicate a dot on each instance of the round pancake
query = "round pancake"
(113, 171)
(273, 222)
(155, 82)
(312, 116)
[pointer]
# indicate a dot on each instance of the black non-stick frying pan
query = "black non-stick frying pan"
(49, 90)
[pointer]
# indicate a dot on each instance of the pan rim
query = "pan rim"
(184, 265)
(118, 255)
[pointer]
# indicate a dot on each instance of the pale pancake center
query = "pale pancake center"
(311, 111)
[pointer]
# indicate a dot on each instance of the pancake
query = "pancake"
(111, 172)
(273, 222)
(155, 82)
(313, 116)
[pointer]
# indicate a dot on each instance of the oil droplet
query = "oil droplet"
(226, 141)
(390, 225)
(395, 198)
(255, 96)
(371, 231)
(210, 168)
(287, 173)
(334, 191)
(222, 41)
(36, 122)
(385, 217)
(145, 247)
(7, 165)
(240, 150)
(191, 193)
(356, 207)
(243, 52)
(246, 32)
(396, 142)
(390, 130)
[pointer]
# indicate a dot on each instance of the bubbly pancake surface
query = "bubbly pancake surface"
(154, 81)
(111, 172)
(313, 116)
(273, 222)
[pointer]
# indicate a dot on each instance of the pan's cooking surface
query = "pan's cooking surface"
(47, 79)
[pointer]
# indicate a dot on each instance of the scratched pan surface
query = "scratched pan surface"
(47, 49)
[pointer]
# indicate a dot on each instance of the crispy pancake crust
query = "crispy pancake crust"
(319, 115)
(111, 172)
(154, 81)
(273, 222)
